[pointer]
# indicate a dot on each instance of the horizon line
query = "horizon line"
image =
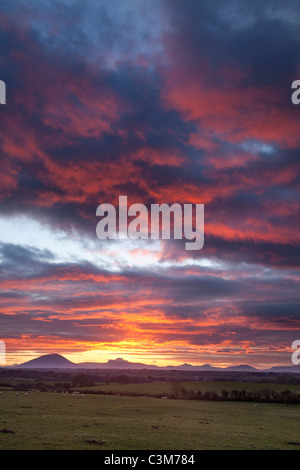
(154, 366)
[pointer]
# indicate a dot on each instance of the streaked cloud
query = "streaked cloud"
(164, 102)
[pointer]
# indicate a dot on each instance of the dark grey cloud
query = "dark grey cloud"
(261, 37)
(62, 61)
(35, 323)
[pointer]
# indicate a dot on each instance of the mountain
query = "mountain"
(204, 367)
(118, 363)
(241, 368)
(285, 369)
(208, 367)
(122, 364)
(49, 361)
(56, 361)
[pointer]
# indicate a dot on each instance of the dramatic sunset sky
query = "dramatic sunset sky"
(165, 101)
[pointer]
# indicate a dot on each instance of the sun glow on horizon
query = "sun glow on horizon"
(170, 355)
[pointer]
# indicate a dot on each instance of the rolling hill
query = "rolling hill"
(49, 361)
(56, 361)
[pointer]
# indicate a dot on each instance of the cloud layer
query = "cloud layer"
(163, 102)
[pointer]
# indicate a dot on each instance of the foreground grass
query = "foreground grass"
(49, 421)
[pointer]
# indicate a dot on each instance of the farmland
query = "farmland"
(124, 410)
(49, 420)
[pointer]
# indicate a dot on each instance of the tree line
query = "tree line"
(263, 396)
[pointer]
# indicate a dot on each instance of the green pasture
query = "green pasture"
(53, 421)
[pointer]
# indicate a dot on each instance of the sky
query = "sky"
(164, 101)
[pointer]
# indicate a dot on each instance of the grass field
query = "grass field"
(50, 421)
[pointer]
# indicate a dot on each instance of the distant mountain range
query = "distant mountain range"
(56, 361)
